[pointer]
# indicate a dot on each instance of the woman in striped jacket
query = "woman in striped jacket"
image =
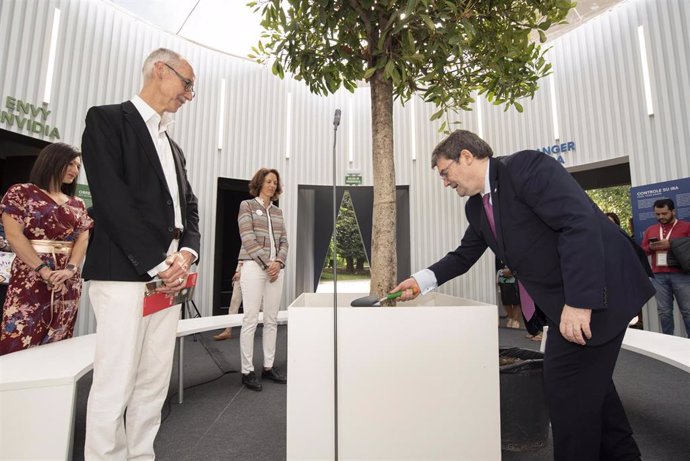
(263, 255)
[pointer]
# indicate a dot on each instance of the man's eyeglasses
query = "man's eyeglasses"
(188, 84)
(444, 172)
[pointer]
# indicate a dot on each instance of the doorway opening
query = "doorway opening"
(315, 229)
(353, 267)
(231, 192)
(17, 156)
(608, 185)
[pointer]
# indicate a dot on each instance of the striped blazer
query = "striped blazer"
(256, 242)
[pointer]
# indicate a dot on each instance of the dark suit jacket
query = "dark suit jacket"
(558, 243)
(132, 205)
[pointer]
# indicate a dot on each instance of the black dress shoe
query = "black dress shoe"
(251, 381)
(274, 376)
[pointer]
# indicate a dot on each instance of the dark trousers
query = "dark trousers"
(587, 417)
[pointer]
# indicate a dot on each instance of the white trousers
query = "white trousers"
(131, 372)
(256, 288)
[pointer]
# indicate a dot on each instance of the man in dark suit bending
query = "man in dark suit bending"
(148, 220)
(575, 264)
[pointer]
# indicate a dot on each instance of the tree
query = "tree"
(444, 51)
(348, 237)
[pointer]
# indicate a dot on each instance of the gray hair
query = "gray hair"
(161, 54)
(458, 140)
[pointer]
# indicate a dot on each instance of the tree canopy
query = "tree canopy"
(442, 50)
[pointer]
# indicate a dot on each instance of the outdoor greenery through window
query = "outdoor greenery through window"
(353, 266)
(616, 200)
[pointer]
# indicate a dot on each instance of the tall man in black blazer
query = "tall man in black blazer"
(148, 226)
(577, 266)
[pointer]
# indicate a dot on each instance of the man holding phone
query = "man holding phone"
(670, 281)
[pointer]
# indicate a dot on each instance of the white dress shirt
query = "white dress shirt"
(157, 127)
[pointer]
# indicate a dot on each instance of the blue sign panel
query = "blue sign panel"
(643, 198)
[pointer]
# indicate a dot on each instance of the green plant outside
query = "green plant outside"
(616, 200)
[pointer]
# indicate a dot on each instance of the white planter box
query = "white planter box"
(418, 381)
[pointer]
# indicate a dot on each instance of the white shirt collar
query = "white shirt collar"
(487, 183)
(149, 114)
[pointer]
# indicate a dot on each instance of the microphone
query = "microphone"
(336, 119)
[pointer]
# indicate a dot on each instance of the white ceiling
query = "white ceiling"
(583, 12)
(225, 25)
(232, 27)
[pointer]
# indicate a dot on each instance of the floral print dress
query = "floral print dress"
(26, 315)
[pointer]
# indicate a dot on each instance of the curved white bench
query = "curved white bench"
(37, 397)
(672, 350)
(38, 388)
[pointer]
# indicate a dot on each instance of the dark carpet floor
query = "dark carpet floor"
(221, 420)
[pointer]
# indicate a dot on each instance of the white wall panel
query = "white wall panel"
(601, 102)
(600, 106)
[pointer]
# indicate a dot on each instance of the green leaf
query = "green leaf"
(389, 69)
(418, 58)
(542, 36)
(395, 76)
(368, 73)
(438, 114)
(518, 106)
(409, 43)
(429, 23)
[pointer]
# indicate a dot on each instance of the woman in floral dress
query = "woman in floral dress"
(48, 229)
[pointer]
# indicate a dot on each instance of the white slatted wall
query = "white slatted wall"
(600, 103)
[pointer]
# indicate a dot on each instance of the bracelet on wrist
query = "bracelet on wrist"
(71, 267)
(41, 266)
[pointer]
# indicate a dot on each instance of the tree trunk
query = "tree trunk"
(383, 253)
(359, 269)
(350, 264)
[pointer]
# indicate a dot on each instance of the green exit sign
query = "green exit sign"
(353, 179)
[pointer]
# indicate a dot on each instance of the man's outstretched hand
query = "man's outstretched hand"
(410, 289)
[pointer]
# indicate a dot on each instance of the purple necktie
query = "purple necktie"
(526, 301)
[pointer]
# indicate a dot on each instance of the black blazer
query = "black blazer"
(558, 243)
(133, 208)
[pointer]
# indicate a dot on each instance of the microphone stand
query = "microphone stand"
(336, 122)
